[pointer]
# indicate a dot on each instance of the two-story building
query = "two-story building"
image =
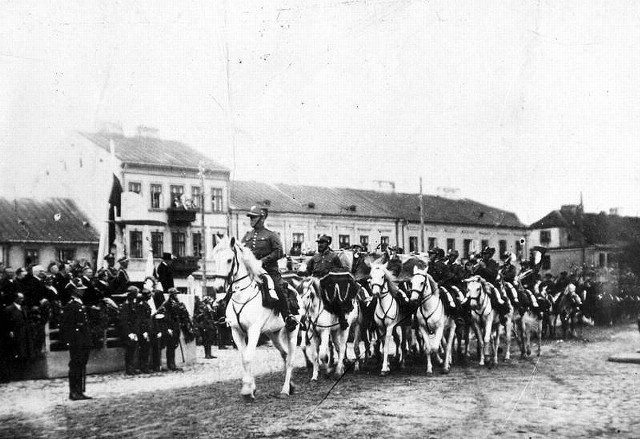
(43, 231)
(166, 184)
(299, 214)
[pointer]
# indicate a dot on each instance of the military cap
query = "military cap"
(123, 259)
(454, 253)
(167, 256)
(490, 251)
(324, 238)
(132, 291)
(146, 292)
(172, 291)
(258, 211)
(109, 257)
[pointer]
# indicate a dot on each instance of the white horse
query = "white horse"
(388, 314)
(484, 318)
(322, 326)
(237, 272)
(432, 320)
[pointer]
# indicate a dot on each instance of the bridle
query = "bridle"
(307, 308)
(482, 299)
(424, 298)
(229, 280)
(383, 293)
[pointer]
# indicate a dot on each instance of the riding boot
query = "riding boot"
(220, 312)
(290, 322)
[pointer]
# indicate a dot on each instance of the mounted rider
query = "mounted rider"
(530, 274)
(267, 248)
(488, 269)
(456, 274)
(323, 262)
(508, 275)
(441, 273)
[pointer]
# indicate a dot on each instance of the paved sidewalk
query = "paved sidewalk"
(36, 396)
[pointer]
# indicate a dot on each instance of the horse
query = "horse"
(485, 320)
(431, 317)
(388, 314)
(323, 326)
(236, 273)
(570, 311)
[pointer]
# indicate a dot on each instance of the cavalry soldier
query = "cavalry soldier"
(488, 269)
(267, 248)
(323, 262)
(456, 274)
(75, 332)
(508, 275)
(442, 275)
(143, 311)
(129, 329)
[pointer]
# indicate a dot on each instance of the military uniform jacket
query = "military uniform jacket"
(129, 323)
(508, 273)
(143, 310)
(121, 282)
(438, 271)
(322, 264)
(75, 325)
(266, 247)
(488, 270)
(456, 274)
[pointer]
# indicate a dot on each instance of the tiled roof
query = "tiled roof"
(153, 152)
(52, 220)
(365, 203)
(553, 219)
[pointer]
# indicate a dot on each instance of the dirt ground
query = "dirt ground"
(570, 391)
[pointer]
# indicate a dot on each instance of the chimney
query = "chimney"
(614, 211)
(569, 208)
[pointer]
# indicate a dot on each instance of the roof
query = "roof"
(597, 228)
(288, 198)
(52, 220)
(151, 151)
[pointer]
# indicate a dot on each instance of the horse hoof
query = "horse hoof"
(314, 380)
(384, 373)
(283, 395)
(446, 371)
(429, 373)
(249, 398)
(292, 388)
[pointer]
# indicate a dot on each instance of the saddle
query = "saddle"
(269, 296)
(337, 291)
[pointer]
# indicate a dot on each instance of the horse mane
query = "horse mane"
(251, 263)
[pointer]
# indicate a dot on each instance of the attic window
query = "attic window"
(311, 205)
(481, 215)
(351, 208)
(267, 202)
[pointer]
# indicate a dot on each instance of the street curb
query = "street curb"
(631, 357)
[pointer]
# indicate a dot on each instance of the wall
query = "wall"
(47, 253)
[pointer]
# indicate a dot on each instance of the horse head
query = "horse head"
(232, 263)
(309, 293)
(419, 283)
(475, 290)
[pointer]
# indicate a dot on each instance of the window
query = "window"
(31, 256)
(214, 240)
(384, 242)
(413, 244)
(156, 196)
(216, 199)
(484, 243)
(602, 259)
(466, 248)
(196, 193)
(176, 193)
(157, 244)
(432, 243)
(502, 244)
(519, 248)
(66, 254)
(451, 244)
(135, 186)
(296, 248)
(178, 244)
(545, 236)
(344, 241)
(197, 244)
(546, 262)
(298, 237)
(135, 244)
(364, 241)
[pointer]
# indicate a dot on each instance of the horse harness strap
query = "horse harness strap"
(393, 299)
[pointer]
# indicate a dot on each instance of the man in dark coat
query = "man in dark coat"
(8, 287)
(75, 332)
(121, 282)
(143, 309)
(164, 272)
(129, 328)
(16, 338)
(172, 341)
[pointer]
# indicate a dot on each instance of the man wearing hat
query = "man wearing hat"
(488, 269)
(267, 248)
(129, 329)
(164, 272)
(121, 282)
(143, 311)
(110, 269)
(323, 262)
(75, 332)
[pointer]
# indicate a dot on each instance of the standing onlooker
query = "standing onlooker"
(16, 333)
(173, 329)
(121, 282)
(143, 310)
(129, 329)
(164, 272)
(75, 332)
(8, 287)
(205, 321)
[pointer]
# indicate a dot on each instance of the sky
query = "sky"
(521, 105)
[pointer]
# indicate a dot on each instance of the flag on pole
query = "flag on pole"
(114, 202)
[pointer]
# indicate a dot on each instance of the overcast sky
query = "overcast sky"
(521, 105)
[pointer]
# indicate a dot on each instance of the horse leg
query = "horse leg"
(539, 336)
(479, 342)
(323, 351)
(285, 343)
(357, 339)
(313, 348)
(486, 338)
(495, 343)
(508, 327)
(248, 351)
(340, 342)
(388, 336)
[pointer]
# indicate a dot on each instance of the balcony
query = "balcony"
(185, 265)
(179, 216)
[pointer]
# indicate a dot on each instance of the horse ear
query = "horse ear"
(415, 269)
(232, 243)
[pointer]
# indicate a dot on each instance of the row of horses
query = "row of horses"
(410, 314)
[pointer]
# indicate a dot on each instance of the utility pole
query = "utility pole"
(203, 241)
(421, 219)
